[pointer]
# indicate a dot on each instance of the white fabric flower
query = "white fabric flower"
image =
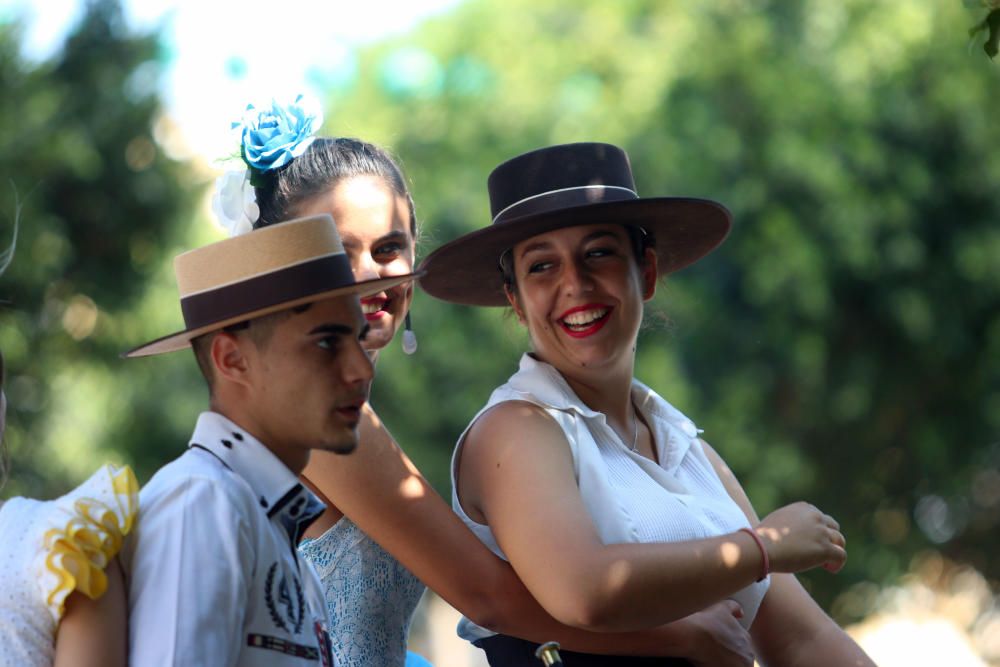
(234, 202)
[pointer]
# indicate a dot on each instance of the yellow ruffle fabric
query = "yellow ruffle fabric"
(87, 530)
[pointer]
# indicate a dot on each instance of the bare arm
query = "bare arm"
(790, 628)
(382, 492)
(94, 633)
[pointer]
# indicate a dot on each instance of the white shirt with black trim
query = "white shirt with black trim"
(213, 572)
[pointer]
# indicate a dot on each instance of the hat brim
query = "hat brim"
(182, 339)
(467, 270)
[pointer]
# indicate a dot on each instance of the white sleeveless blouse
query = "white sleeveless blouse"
(629, 497)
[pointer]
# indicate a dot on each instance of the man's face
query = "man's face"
(308, 380)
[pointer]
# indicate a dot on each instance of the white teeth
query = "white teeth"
(372, 307)
(583, 318)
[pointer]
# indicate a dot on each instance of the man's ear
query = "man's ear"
(229, 358)
(512, 300)
(650, 273)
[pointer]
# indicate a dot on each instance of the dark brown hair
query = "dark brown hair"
(325, 163)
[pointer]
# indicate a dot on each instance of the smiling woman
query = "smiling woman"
(377, 225)
(611, 509)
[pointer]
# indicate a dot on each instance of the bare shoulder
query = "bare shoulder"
(507, 446)
(512, 421)
(514, 429)
(729, 481)
(721, 469)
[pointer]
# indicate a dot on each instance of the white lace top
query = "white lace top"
(48, 549)
(370, 596)
(629, 497)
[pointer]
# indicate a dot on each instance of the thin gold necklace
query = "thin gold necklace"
(635, 430)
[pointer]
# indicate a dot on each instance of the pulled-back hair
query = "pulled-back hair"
(325, 163)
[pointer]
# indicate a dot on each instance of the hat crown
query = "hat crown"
(603, 169)
(260, 252)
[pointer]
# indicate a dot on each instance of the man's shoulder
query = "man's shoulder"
(195, 475)
(195, 503)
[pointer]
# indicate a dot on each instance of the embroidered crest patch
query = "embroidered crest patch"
(284, 599)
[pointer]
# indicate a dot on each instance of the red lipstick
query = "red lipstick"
(601, 314)
(374, 313)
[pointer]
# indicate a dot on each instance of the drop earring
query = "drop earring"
(409, 338)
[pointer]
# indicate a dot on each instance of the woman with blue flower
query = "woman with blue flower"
(387, 533)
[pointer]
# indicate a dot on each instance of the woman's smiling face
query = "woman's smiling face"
(580, 290)
(374, 224)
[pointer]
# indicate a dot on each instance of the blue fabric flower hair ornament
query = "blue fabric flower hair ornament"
(270, 138)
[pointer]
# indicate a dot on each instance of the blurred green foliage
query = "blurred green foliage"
(843, 346)
(103, 211)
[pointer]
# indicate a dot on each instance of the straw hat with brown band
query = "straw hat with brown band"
(566, 186)
(262, 272)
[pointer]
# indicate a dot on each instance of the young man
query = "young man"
(214, 577)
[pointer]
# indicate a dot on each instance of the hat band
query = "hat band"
(275, 287)
(553, 200)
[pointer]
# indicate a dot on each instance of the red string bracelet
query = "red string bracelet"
(765, 568)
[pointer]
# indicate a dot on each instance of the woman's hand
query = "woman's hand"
(800, 537)
(718, 639)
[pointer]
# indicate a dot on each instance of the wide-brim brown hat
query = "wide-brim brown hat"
(567, 186)
(262, 272)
